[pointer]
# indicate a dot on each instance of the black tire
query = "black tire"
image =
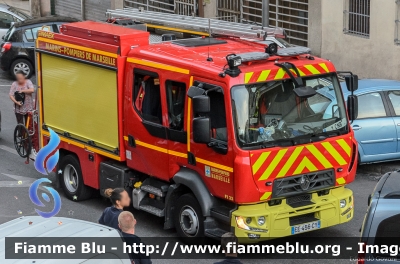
(187, 212)
(23, 65)
(72, 181)
(22, 141)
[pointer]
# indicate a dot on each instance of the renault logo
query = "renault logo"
(304, 182)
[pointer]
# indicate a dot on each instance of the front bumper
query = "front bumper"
(278, 218)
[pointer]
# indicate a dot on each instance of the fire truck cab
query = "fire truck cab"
(211, 134)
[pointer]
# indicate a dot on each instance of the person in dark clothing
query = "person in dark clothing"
(230, 254)
(127, 223)
(120, 199)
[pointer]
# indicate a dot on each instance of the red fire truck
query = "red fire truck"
(212, 134)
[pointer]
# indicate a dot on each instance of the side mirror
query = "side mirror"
(202, 130)
(351, 82)
(201, 104)
(195, 91)
(352, 107)
(369, 199)
(304, 92)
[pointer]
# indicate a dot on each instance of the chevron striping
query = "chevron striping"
(290, 162)
(318, 155)
(273, 164)
(260, 161)
(328, 146)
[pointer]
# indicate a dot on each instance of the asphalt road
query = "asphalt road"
(14, 198)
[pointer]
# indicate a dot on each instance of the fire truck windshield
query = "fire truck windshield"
(269, 113)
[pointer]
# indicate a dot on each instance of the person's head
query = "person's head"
(229, 243)
(118, 197)
(126, 222)
(20, 76)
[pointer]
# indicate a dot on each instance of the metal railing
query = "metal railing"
(356, 19)
(181, 7)
(397, 36)
(292, 15)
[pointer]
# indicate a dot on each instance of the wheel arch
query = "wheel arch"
(188, 179)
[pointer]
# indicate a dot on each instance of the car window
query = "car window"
(394, 97)
(6, 20)
(387, 230)
(370, 105)
(31, 33)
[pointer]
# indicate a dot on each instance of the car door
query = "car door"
(374, 128)
(394, 104)
(5, 22)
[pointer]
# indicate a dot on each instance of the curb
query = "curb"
(378, 168)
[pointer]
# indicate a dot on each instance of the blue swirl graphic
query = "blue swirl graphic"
(35, 199)
(45, 152)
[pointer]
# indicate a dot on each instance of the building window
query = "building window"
(397, 37)
(357, 17)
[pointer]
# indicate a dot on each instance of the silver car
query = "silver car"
(10, 15)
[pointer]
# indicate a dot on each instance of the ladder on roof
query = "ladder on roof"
(195, 25)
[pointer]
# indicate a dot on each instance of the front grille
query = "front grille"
(301, 184)
(301, 219)
(298, 201)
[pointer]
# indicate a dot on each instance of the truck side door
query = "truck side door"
(145, 132)
(214, 161)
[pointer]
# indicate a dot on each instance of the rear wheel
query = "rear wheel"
(22, 65)
(189, 219)
(72, 179)
(22, 141)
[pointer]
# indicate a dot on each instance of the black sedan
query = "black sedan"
(18, 46)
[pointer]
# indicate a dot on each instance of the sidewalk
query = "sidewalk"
(24, 5)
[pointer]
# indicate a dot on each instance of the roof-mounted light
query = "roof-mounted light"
(234, 61)
(293, 51)
(253, 56)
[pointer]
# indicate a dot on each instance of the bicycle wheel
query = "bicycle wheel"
(22, 141)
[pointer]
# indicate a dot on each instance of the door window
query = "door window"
(31, 33)
(370, 106)
(217, 116)
(147, 97)
(394, 97)
(176, 93)
(5, 20)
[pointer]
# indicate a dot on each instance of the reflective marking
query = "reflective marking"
(280, 74)
(216, 165)
(341, 181)
(263, 76)
(260, 161)
(290, 162)
(158, 65)
(344, 146)
(312, 69)
(318, 155)
(247, 76)
(265, 196)
(273, 164)
(305, 163)
(328, 146)
(323, 66)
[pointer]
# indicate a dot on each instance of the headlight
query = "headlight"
(343, 203)
(248, 220)
(241, 223)
(261, 220)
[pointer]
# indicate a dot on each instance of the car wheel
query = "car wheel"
(72, 180)
(189, 220)
(22, 65)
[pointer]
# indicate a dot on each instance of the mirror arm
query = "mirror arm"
(286, 66)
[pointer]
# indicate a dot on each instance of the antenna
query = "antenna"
(209, 40)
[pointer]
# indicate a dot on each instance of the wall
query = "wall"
(376, 57)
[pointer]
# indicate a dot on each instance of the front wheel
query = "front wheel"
(22, 141)
(72, 179)
(189, 219)
(22, 65)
